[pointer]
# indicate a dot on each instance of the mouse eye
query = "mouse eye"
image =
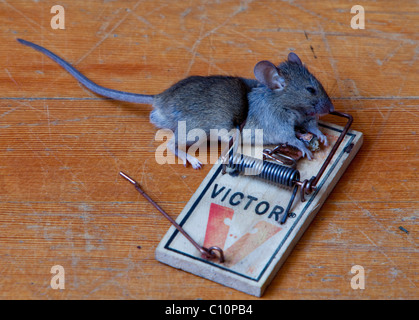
(311, 90)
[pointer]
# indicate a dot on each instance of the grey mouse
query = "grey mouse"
(280, 99)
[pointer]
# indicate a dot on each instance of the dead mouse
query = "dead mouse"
(281, 98)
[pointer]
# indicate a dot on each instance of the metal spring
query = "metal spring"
(270, 171)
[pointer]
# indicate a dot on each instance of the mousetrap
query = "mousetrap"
(238, 229)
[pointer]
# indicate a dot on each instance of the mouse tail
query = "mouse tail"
(109, 93)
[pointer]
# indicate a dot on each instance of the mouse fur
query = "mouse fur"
(279, 99)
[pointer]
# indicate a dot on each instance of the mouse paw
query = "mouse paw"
(322, 138)
(305, 151)
(195, 163)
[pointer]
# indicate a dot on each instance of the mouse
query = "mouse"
(280, 99)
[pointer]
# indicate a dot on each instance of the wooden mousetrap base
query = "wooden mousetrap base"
(241, 215)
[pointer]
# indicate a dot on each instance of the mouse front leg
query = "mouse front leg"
(295, 142)
(311, 125)
(288, 137)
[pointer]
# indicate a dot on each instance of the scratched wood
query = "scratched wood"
(62, 201)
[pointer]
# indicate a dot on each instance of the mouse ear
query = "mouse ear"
(292, 57)
(269, 75)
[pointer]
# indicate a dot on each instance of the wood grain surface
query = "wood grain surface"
(62, 201)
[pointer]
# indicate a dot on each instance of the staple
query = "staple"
(273, 155)
(403, 229)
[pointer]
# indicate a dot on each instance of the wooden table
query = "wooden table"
(63, 203)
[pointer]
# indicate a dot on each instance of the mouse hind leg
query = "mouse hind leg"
(182, 154)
